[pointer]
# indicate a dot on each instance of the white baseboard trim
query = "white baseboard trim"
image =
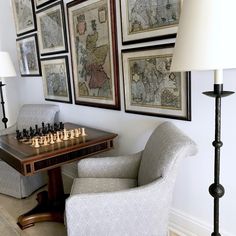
(185, 225)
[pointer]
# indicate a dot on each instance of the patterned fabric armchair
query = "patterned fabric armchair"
(12, 182)
(128, 195)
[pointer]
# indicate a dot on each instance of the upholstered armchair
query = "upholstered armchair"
(12, 182)
(128, 195)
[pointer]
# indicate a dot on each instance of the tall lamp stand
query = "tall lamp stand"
(216, 189)
(4, 119)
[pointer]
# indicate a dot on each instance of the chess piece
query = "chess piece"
(72, 134)
(61, 126)
(36, 143)
(31, 132)
(58, 140)
(51, 139)
(18, 134)
(33, 142)
(83, 132)
(41, 140)
(76, 133)
(36, 130)
(45, 142)
(65, 135)
(49, 130)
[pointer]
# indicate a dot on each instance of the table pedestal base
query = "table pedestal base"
(51, 203)
(44, 211)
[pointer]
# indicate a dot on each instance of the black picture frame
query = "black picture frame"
(56, 79)
(52, 35)
(28, 55)
(150, 88)
(142, 22)
(24, 17)
(42, 3)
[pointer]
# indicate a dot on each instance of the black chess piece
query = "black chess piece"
(56, 128)
(18, 134)
(36, 130)
(24, 133)
(49, 128)
(31, 132)
(61, 125)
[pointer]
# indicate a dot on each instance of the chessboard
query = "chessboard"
(48, 134)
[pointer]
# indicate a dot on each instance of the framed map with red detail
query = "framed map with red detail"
(150, 88)
(92, 27)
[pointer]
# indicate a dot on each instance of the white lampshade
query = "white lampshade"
(6, 67)
(206, 38)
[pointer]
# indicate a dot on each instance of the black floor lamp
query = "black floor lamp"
(206, 41)
(6, 70)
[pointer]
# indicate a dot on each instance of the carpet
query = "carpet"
(8, 226)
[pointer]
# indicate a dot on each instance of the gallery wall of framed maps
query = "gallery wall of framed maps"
(102, 51)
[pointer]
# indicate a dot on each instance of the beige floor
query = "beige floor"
(16, 207)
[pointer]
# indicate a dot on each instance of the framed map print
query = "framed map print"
(42, 3)
(149, 86)
(51, 29)
(28, 56)
(144, 20)
(56, 79)
(92, 29)
(24, 16)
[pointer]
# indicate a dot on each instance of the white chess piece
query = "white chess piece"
(41, 141)
(72, 134)
(76, 133)
(51, 139)
(45, 142)
(33, 142)
(58, 137)
(65, 135)
(83, 132)
(36, 144)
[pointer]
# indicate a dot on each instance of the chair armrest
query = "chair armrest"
(9, 130)
(110, 167)
(138, 211)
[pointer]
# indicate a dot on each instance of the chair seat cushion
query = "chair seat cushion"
(99, 185)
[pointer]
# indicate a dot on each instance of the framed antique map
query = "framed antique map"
(52, 30)
(149, 86)
(28, 56)
(24, 16)
(56, 79)
(42, 3)
(92, 28)
(144, 20)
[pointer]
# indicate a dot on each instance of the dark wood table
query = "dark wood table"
(29, 160)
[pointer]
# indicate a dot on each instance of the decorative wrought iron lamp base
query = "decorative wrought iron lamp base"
(4, 119)
(216, 189)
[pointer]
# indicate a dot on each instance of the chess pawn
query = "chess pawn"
(36, 143)
(58, 140)
(41, 141)
(33, 142)
(45, 141)
(51, 139)
(72, 134)
(76, 132)
(83, 132)
(65, 135)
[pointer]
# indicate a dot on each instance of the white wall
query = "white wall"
(196, 174)
(7, 43)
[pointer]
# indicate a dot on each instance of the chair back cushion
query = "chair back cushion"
(166, 144)
(35, 114)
